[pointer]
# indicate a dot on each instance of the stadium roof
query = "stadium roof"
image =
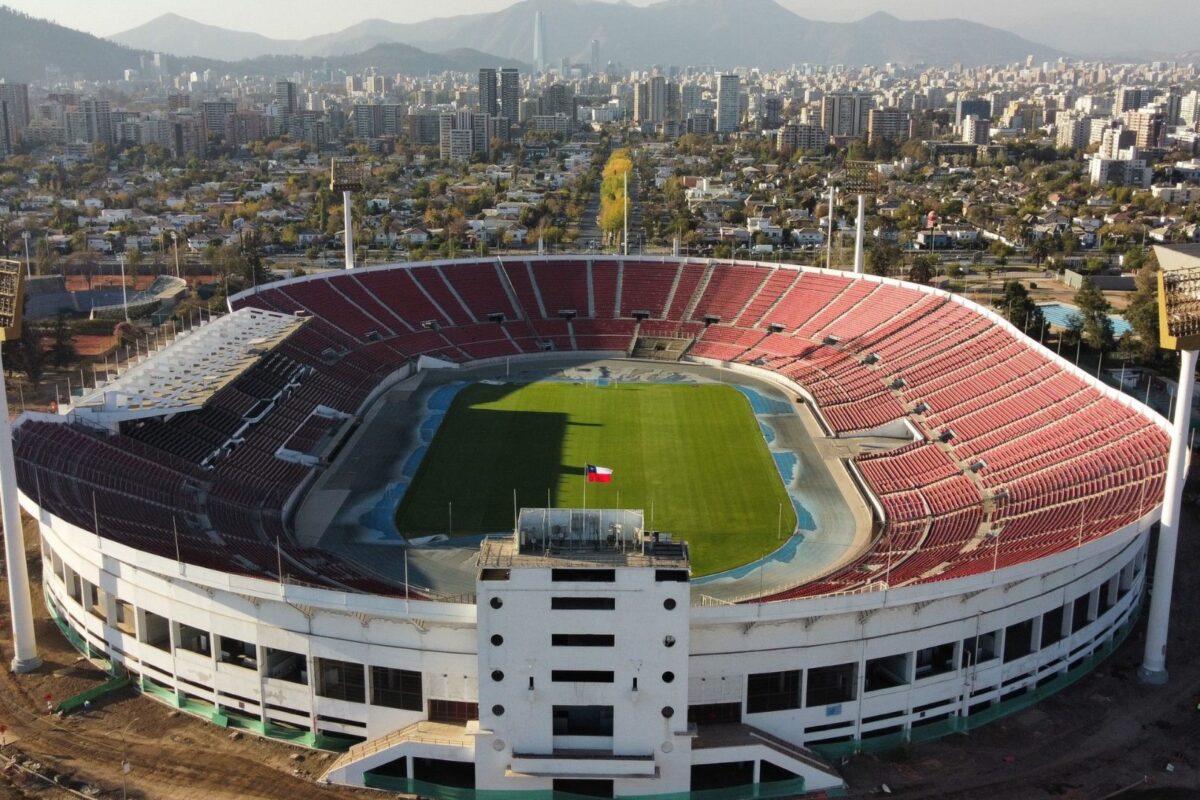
(190, 370)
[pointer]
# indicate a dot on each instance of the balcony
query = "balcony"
(582, 763)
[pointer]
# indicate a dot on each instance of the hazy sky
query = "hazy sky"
(1072, 25)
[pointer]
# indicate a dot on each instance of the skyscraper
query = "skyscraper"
(17, 97)
(510, 93)
(539, 43)
(595, 57)
(728, 118)
(285, 96)
(844, 114)
(489, 100)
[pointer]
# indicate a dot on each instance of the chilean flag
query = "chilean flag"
(597, 474)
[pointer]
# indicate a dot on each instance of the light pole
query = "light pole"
(28, 266)
(20, 603)
(1179, 329)
(175, 239)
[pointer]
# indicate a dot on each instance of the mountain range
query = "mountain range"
(33, 46)
(722, 33)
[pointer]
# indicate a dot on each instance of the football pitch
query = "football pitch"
(691, 455)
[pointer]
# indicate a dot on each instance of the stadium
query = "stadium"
(844, 513)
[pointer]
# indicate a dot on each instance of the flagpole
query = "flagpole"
(585, 483)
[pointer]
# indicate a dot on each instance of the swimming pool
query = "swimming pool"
(1059, 315)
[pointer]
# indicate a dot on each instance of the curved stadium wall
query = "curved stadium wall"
(1010, 555)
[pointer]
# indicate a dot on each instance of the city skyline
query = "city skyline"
(1113, 31)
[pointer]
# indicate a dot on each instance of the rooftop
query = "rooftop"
(190, 370)
(572, 537)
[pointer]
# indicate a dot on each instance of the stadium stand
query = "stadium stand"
(1021, 457)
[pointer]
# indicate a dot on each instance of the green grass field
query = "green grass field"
(693, 451)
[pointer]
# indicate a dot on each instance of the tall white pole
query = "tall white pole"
(349, 237)
(829, 241)
(1154, 660)
(858, 235)
(627, 212)
(28, 267)
(20, 604)
(124, 289)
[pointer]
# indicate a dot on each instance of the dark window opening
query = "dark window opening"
(454, 712)
(935, 660)
(583, 720)
(582, 640)
(831, 685)
(444, 773)
(581, 676)
(1052, 627)
(722, 776)
(773, 691)
(237, 652)
(194, 640)
(1018, 640)
(341, 680)
(715, 713)
(583, 603)
(979, 649)
(396, 688)
(584, 787)
(887, 672)
(583, 575)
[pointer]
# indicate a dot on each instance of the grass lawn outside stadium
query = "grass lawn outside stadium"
(692, 452)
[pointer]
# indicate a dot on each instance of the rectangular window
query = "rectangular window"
(396, 688)
(455, 712)
(284, 665)
(194, 639)
(1052, 626)
(828, 685)
(156, 631)
(678, 575)
(581, 676)
(583, 720)
(937, 660)
(1079, 612)
(237, 652)
(341, 680)
(714, 713)
(887, 672)
(583, 575)
(583, 603)
(773, 691)
(979, 649)
(1018, 640)
(582, 640)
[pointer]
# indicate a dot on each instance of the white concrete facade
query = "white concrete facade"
(1063, 609)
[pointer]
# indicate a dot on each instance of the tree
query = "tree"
(1093, 310)
(883, 258)
(62, 352)
(1142, 315)
(30, 357)
(1020, 309)
(923, 269)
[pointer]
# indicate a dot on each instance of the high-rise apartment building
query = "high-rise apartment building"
(658, 98)
(1131, 98)
(489, 92)
(286, 96)
(215, 112)
(844, 115)
(889, 124)
(1072, 129)
(510, 93)
(595, 60)
(1189, 109)
(975, 130)
(795, 137)
(6, 147)
(16, 95)
(1149, 126)
(963, 108)
(728, 105)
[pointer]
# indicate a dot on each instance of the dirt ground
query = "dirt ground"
(1106, 736)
